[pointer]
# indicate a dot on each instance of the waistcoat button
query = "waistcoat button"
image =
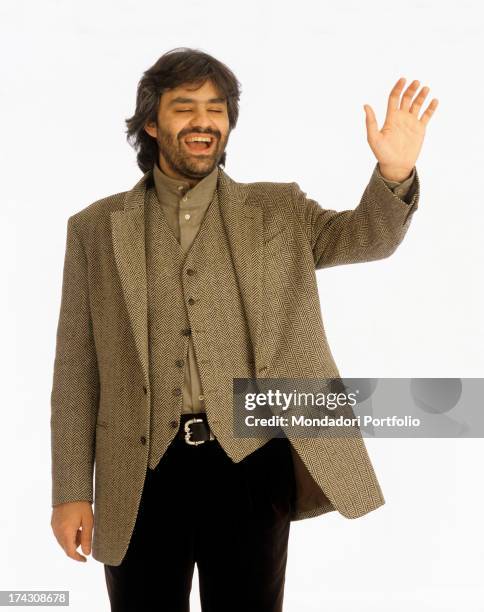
(145, 390)
(176, 391)
(190, 271)
(179, 363)
(191, 301)
(143, 440)
(173, 424)
(186, 332)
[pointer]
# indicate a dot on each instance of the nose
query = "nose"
(201, 119)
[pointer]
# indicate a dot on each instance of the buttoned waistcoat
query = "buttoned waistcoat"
(196, 291)
(101, 394)
(184, 207)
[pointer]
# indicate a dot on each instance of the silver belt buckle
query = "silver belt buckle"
(186, 427)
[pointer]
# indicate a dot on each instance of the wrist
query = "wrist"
(390, 173)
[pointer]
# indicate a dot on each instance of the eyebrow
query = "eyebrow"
(182, 100)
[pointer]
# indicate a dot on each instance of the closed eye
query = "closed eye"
(188, 111)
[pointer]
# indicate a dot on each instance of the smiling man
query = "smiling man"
(188, 151)
(170, 291)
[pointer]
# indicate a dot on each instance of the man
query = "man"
(170, 291)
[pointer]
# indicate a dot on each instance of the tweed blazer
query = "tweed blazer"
(279, 238)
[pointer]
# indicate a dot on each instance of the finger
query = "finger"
(70, 543)
(419, 100)
(425, 118)
(371, 123)
(394, 97)
(408, 95)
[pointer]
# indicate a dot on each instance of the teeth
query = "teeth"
(199, 139)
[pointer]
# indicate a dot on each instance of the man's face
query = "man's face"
(185, 112)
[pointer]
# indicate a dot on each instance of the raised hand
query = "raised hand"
(397, 145)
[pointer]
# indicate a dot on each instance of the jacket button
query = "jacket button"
(190, 271)
(143, 440)
(179, 363)
(173, 424)
(145, 390)
(186, 332)
(191, 301)
(176, 391)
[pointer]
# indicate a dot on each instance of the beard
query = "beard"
(181, 161)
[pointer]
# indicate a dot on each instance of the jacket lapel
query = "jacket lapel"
(243, 221)
(128, 236)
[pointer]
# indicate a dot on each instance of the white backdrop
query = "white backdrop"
(69, 72)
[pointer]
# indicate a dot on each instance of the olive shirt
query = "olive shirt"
(184, 209)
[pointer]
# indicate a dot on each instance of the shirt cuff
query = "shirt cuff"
(401, 188)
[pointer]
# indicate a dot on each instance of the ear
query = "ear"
(150, 128)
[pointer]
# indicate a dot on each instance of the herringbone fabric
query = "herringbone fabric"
(101, 394)
(217, 309)
(184, 207)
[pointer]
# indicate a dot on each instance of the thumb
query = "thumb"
(371, 124)
(86, 536)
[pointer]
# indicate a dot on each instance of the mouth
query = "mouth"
(198, 147)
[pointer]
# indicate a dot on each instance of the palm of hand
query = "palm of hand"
(397, 145)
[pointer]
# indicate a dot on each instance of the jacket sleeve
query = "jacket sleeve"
(75, 388)
(400, 188)
(371, 231)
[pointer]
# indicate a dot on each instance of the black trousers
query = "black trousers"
(231, 519)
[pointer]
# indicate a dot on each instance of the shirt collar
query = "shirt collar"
(172, 191)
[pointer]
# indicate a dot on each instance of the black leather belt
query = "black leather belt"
(194, 429)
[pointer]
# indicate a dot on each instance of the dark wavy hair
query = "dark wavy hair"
(179, 66)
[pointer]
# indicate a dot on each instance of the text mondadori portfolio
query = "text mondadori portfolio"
(328, 421)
